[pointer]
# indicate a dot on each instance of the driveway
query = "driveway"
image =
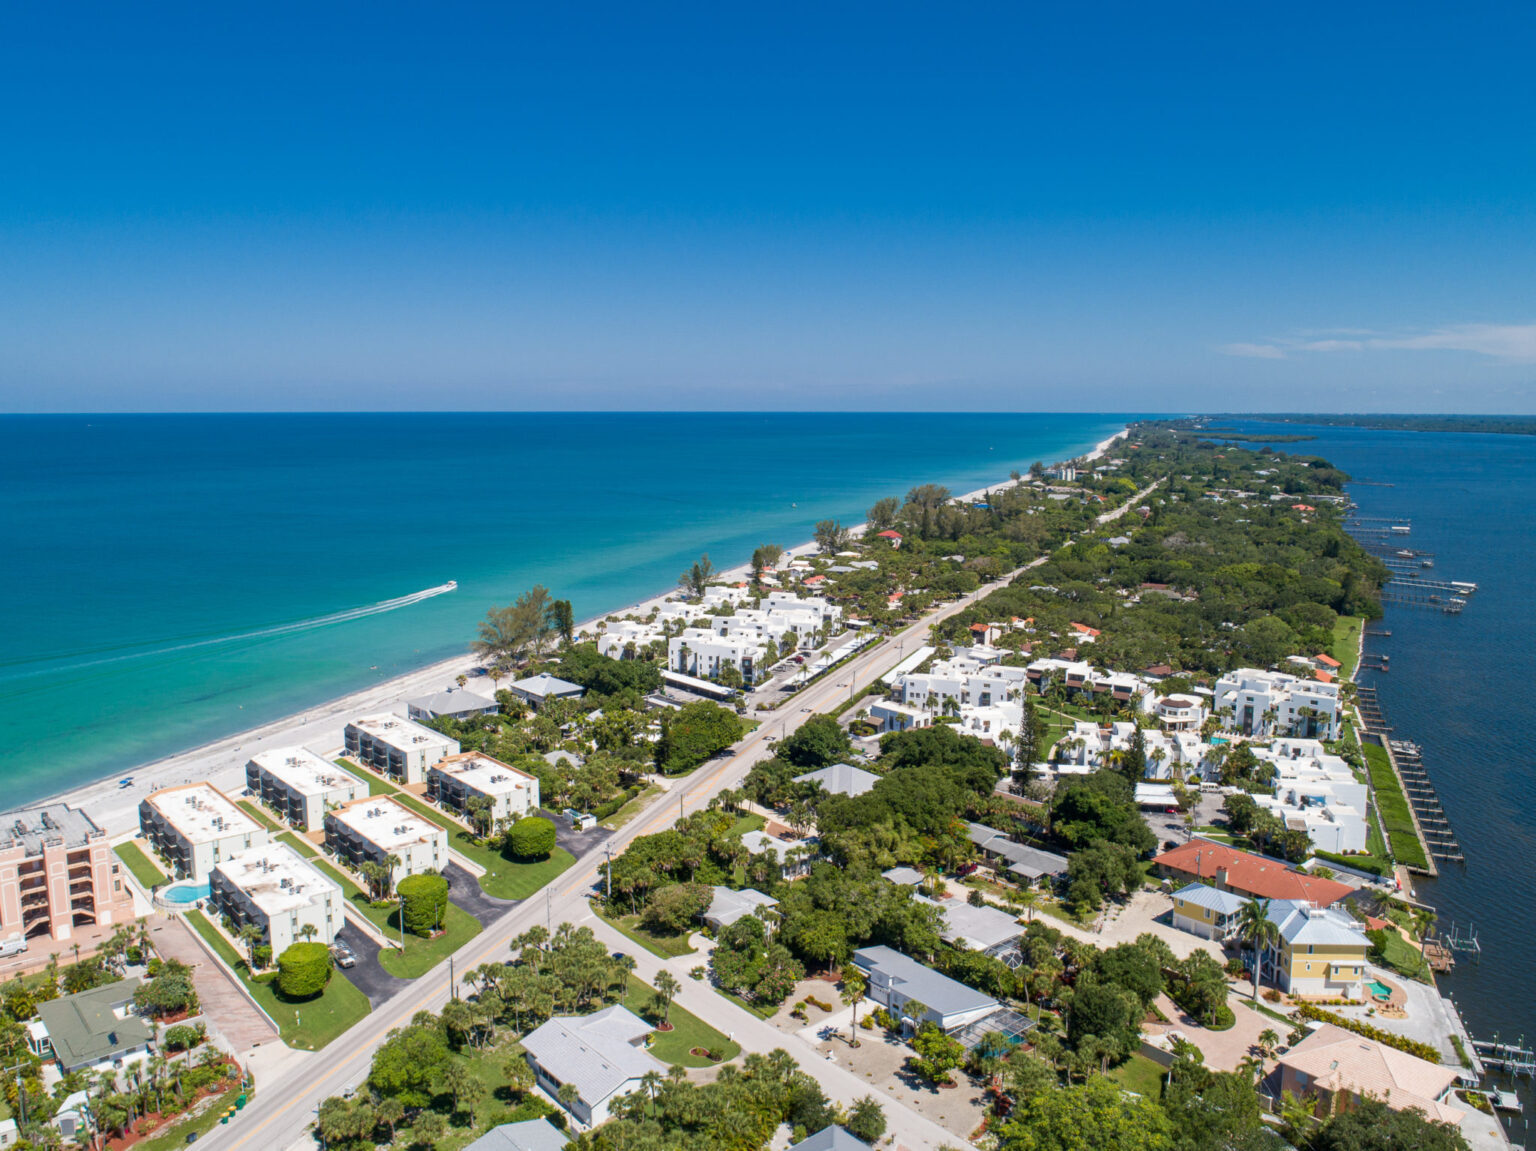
(465, 893)
(367, 974)
(222, 1000)
(578, 843)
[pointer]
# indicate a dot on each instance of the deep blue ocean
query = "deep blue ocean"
(1461, 686)
(173, 579)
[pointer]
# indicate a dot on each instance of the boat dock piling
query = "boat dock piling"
(1513, 1059)
(1425, 801)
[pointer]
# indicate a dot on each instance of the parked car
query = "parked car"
(344, 956)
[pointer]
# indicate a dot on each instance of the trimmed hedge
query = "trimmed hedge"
(303, 970)
(426, 902)
(1358, 862)
(1412, 1046)
(532, 837)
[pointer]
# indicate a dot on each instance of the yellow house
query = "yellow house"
(1318, 953)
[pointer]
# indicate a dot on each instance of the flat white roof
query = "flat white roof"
(483, 774)
(276, 878)
(303, 770)
(401, 734)
(385, 823)
(201, 813)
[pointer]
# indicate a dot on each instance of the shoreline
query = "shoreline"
(222, 761)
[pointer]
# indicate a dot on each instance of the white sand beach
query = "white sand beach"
(320, 728)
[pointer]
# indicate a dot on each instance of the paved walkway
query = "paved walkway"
(242, 1024)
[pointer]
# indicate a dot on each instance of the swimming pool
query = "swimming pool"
(1378, 989)
(186, 892)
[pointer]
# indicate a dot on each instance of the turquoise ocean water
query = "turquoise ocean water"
(169, 580)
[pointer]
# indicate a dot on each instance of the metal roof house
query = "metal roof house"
(599, 1054)
(841, 779)
(728, 906)
(976, 928)
(830, 1139)
(536, 689)
(1026, 863)
(896, 980)
(459, 704)
(94, 1029)
(533, 1135)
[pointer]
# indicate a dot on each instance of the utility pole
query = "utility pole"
(608, 851)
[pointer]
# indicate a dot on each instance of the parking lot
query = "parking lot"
(369, 977)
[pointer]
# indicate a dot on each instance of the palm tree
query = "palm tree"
(1269, 1039)
(250, 935)
(1256, 928)
(667, 987)
(651, 1083)
(308, 931)
(568, 1096)
(852, 994)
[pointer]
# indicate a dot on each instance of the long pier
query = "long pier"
(1424, 807)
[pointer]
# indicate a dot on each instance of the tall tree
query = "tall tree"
(831, 537)
(697, 577)
(562, 619)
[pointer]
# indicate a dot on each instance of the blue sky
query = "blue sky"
(1073, 207)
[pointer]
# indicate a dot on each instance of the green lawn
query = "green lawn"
(1141, 1075)
(631, 809)
(688, 1031)
(1393, 806)
(664, 946)
(1346, 643)
(255, 812)
(143, 868)
(299, 844)
(1404, 958)
(747, 821)
(421, 955)
(506, 878)
(308, 1025)
(377, 784)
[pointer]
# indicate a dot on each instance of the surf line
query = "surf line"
(346, 616)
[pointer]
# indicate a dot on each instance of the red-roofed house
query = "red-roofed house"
(815, 580)
(894, 537)
(1084, 629)
(1303, 508)
(1247, 874)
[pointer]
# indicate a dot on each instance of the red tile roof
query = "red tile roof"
(1327, 660)
(1249, 874)
(1323, 676)
(890, 535)
(1086, 630)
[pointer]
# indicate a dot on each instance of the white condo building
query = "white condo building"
(1265, 703)
(275, 889)
(460, 778)
(704, 654)
(397, 747)
(196, 827)
(373, 828)
(301, 784)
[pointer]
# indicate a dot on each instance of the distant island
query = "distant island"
(1502, 425)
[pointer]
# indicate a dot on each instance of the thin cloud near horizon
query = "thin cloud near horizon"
(1512, 343)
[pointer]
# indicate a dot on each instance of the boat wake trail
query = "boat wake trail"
(72, 662)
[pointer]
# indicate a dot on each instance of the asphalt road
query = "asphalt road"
(283, 1109)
